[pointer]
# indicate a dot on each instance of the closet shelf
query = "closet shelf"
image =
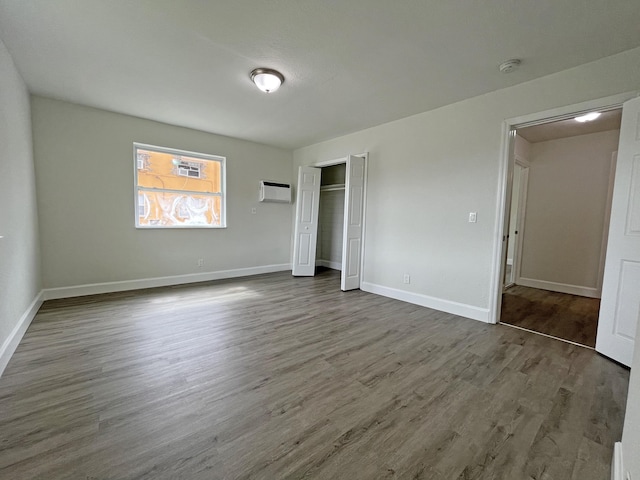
(329, 188)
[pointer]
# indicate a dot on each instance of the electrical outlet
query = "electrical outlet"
(473, 217)
(407, 278)
(254, 211)
(201, 262)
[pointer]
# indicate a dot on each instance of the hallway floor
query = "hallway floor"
(569, 317)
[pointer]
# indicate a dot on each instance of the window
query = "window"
(177, 189)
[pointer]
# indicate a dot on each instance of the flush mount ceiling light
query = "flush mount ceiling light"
(510, 65)
(266, 79)
(588, 117)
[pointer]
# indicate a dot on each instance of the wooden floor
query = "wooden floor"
(272, 377)
(569, 317)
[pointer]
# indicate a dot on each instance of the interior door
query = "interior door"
(620, 304)
(306, 225)
(514, 225)
(353, 220)
(518, 233)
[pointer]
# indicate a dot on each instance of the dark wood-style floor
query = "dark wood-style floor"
(274, 377)
(569, 317)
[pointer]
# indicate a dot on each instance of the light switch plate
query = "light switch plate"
(473, 216)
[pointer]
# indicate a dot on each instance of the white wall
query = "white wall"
(428, 171)
(84, 173)
(566, 203)
(19, 250)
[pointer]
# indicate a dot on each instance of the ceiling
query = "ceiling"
(348, 65)
(570, 128)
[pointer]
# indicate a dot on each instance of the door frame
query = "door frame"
(522, 213)
(505, 176)
(340, 161)
(521, 208)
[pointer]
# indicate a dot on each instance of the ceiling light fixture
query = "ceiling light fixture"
(266, 79)
(510, 65)
(588, 117)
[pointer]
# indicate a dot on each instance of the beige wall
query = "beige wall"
(566, 202)
(522, 148)
(19, 250)
(428, 171)
(84, 173)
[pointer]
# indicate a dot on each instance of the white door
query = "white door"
(353, 218)
(522, 207)
(620, 304)
(306, 227)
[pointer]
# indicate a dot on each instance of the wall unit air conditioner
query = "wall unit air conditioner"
(275, 192)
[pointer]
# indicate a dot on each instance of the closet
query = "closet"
(335, 236)
(331, 217)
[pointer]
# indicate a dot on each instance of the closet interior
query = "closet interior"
(331, 217)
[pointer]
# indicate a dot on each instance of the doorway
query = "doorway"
(331, 217)
(620, 288)
(555, 253)
(339, 186)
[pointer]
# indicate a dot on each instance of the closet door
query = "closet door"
(306, 227)
(353, 222)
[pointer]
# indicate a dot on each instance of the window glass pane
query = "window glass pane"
(167, 209)
(170, 171)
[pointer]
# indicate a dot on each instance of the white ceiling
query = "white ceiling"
(610, 120)
(348, 64)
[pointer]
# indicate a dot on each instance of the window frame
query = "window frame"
(137, 190)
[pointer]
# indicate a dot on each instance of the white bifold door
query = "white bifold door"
(306, 224)
(306, 228)
(620, 303)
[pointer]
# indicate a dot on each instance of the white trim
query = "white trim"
(611, 102)
(617, 465)
(329, 264)
(499, 245)
(559, 287)
(522, 215)
(455, 308)
(606, 103)
(108, 287)
(201, 156)
(329, 163)
(13, 340)
(523, 162)
(364, 155)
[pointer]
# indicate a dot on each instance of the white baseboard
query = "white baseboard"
(617, 467)
(11, 343)
(109, 287)
(461, 309)
(559, 287)
(329, 264)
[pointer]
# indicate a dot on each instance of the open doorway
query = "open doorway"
(338, 185)
(331, 217)
(559, 210)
